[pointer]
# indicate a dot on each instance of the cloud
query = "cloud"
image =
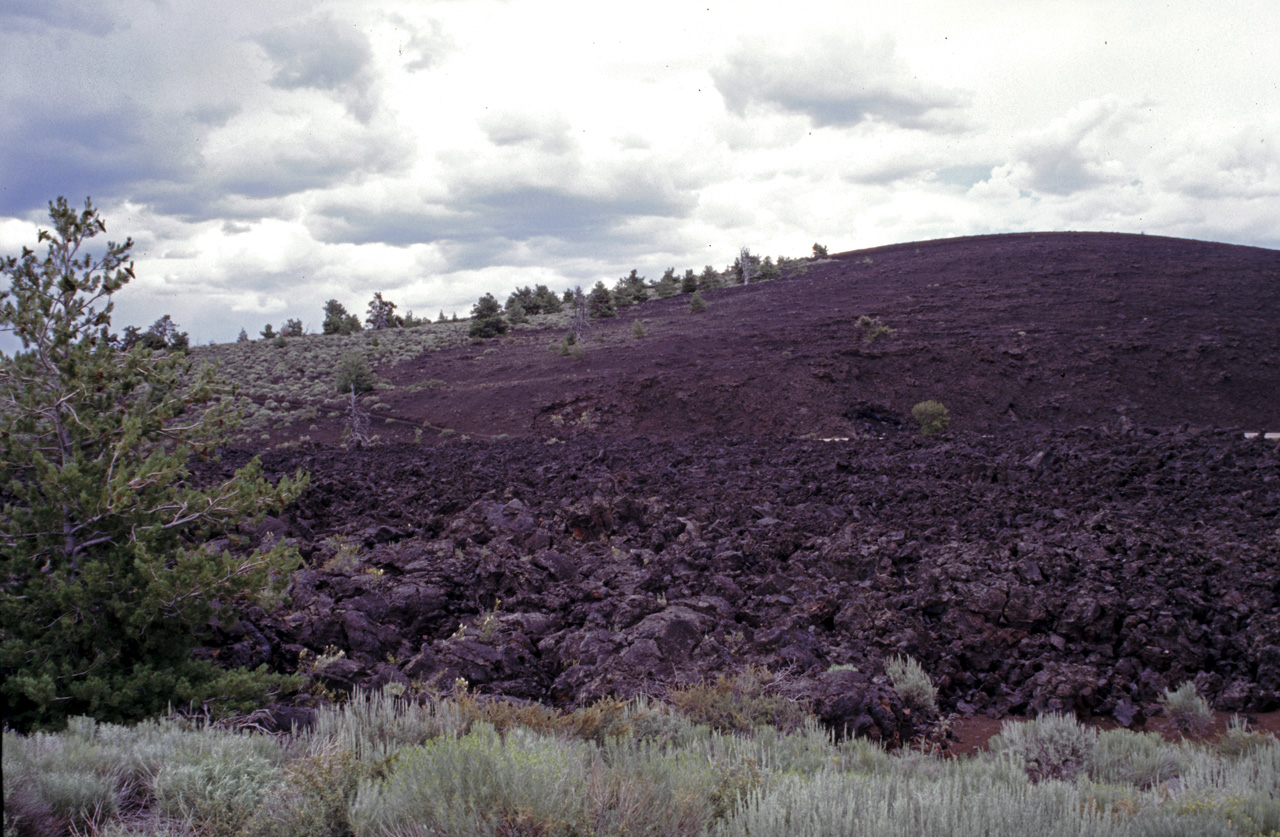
(423, 45)
(43, 15)
(1215, 163)
(323, 54)
(547, 133)
(835, 81)
(1072, 153)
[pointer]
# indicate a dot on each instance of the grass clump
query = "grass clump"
(912, 684)
(932, 416)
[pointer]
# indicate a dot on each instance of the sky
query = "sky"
(268, 156)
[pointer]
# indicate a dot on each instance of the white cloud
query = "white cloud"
(834, 80)
(267, 157)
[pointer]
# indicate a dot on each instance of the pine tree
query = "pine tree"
(600, 302)
(108, 578)
(668, 285)
(382, 313)
(690, 282)
(337, 320)
(486, 318)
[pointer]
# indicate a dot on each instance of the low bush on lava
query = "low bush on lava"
(932, 416)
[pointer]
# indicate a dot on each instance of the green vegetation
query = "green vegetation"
(354, 375)
(296, 384)
(108, 580)
(872, 329)
(912, 683)
(932, 416)
(455, 764)
(697, 304)
(338, 321)
(486, 318)
(600, 303)
(1189, 711)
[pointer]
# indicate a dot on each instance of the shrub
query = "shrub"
(932, 416)
(738, 703)
(312, 800)
(637, 329)
(1240, 740)
(696, 303)
(216, 788)
(912, 684)
(1140, 759)
(1051, 746)
(872, 329)
(1190, 712)
(479, 783)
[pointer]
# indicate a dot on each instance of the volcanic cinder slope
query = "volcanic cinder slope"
(1045, 330)
(1093, 528)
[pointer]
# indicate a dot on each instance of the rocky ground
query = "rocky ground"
(1094, 529)
(1085, 572)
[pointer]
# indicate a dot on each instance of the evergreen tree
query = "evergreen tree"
(630, 290)
(546, 300)
(690, 282)
(819, 251)
(710, 279)
(486, 318)
(108, 578)
(382, 313)
(268, 332)
(244, 337)
(696, 303)
(600, 302)
(291, 328)
(668, 285)
(516, 314)
(337, 320)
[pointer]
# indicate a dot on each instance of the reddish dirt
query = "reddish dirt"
(1094, 527)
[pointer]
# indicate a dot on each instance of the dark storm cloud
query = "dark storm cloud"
(81, 153)
(835, 82)
(490, 220)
